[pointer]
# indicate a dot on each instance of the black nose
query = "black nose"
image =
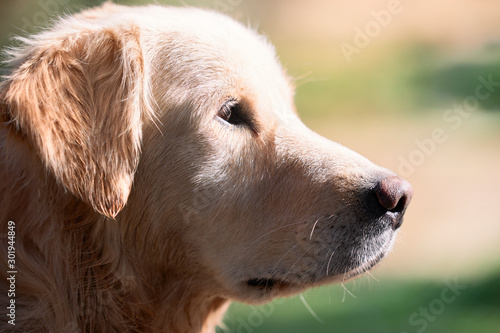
(394, 195)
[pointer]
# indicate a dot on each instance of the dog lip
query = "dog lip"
(395, 218)
(268, 284)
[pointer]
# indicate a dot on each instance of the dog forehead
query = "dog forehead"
(212, 54)
(208, 31)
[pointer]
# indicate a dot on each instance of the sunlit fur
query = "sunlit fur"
(137, 209)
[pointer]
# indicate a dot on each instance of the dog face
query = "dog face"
(196, 112)
(269, 207)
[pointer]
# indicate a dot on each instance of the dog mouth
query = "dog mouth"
(283, 285)
(351, 261)
(275, 284)
(268, 284)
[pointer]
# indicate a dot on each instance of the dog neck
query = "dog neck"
(103, 285)
(171, 295)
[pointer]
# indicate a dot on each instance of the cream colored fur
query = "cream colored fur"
(137, 208)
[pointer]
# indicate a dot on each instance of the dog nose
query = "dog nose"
(394, 195)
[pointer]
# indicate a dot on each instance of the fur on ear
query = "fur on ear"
(78, 98)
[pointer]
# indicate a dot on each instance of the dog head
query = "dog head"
(230, 184)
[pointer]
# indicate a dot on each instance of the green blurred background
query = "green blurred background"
(381, 77)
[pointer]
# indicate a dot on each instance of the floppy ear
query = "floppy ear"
(78, 100)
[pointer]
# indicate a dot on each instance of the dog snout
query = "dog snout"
(394, 195)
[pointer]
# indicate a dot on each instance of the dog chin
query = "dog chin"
(373, 252)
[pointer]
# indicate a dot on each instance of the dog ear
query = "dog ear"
(79, 101)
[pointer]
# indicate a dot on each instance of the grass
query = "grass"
(378, 307)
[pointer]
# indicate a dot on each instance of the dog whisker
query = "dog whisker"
(282, 257)
(288, 273)
(329, 260)
(311, 311)
(347, 291)
(302, 255)
(274, 230)
(371, 275)
(314, 226)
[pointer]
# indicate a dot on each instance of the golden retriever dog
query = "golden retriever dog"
(153, 168)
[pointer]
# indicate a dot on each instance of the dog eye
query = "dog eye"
(230, 112)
